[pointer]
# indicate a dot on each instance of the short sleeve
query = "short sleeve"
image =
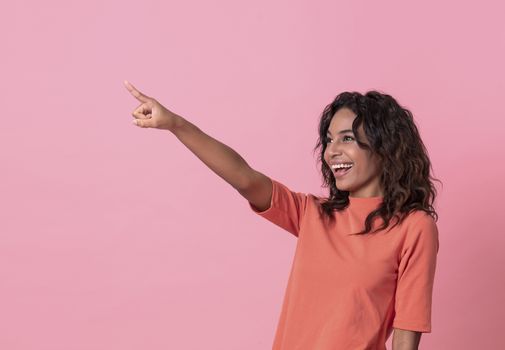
(416, 273)
(286, 208)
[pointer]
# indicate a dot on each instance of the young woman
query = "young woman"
(366, 255)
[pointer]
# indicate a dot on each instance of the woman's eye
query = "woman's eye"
(328, 139)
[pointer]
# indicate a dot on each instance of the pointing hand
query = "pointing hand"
(150, 113)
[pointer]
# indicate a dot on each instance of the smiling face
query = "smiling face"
(363, 178)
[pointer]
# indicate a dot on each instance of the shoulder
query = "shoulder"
(308, 197)
(316, 201)
(419, 219)
(421, 229)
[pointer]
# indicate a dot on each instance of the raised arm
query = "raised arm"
(221, 159)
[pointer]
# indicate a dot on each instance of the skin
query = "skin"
(406, 340)
(363, 180)
(150, 113)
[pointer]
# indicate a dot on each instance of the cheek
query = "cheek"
(375, 169)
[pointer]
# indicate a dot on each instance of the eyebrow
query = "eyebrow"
(340, 132)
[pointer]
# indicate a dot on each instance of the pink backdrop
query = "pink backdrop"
(117, 237)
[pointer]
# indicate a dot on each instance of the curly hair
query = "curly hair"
(394, 137)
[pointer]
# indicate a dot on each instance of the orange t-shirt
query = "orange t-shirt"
(348, 291)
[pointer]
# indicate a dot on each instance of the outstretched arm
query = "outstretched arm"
(220, 158)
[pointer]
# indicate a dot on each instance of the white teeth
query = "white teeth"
(341, 165)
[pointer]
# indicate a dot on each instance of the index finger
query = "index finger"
(138, 95)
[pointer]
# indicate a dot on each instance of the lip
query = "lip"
(340, 174)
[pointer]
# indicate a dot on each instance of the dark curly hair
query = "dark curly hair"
(394, 137)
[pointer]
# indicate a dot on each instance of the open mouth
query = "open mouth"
(342, 170)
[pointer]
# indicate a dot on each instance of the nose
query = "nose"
(333, 148)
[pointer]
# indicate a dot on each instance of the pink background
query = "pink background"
(117, 237)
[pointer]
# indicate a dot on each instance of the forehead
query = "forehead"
(342, 120)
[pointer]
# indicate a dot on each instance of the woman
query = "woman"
(365, 257)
